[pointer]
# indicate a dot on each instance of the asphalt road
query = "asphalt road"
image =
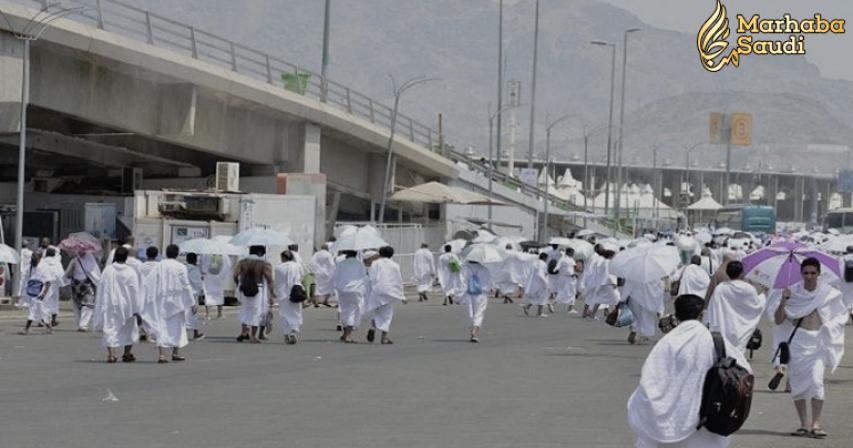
(554, 382)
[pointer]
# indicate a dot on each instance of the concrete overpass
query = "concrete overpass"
(119, 87)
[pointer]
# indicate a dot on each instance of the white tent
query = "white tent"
(757, 194)
(544, 178)
(568, 181)
(707, 203)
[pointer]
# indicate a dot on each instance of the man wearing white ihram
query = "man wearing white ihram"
(735, 307)
(168, 297)
(350, 280)
(116, 307)
(818, 314)
(536, 290)
(287, 274)
(693, 279)
(645, 300)
(386, 287)
(424, 270)
(216, 270)
(478, 281)
(565, 281)
(663, 411)
(323, 266)
(450, 274)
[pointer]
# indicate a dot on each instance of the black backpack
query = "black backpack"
(726, 395)
(552, 267)
(848, 271)
(297, 294)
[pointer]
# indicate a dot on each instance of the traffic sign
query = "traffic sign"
(845, 181)
(741, 129)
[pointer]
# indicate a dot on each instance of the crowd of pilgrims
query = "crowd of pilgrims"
(159, 299)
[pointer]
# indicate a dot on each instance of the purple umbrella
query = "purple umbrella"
(778, 266)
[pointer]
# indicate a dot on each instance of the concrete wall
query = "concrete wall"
(11, 54)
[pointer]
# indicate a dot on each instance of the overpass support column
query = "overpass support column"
(178, 104)
(311, 148)
(799, 191)
(11, 79)
(771, 191)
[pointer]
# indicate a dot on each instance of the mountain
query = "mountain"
(668, 92)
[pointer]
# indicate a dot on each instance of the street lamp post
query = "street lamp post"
(533, 89)
(609, 121)
(687, 177)
(492, 116)
(617, 206)
(32, 31)
(325, 62)
(398, 92)
(500, 84)
(548, 127)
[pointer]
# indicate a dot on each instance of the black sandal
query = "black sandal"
(802, 432)
(370, 335)
(818, 433)
(774, 382)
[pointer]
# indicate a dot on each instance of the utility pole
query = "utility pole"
(618, 204)
(324, 68)
(533, 90)
(500, 80)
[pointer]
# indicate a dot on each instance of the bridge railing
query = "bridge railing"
(125, 19)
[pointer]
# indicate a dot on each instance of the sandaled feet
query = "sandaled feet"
(112, 359)
(178, 358)
(802, 432)
(370, 335)
(162, 361)
(128, 358)
(474, 339)
(632, 338)
(386, 342)
(242, 338)
(818, 433)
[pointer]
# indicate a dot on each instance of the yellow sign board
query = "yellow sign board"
(741, 129)
(716, 128)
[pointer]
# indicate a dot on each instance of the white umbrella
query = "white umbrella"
(483, 253)
(583, 249)
(456, 246)
(723, 231)
(584, 232)
(8, 255)
(204, 246)
(259, 236)
(838, 244)
(645, 264)
(560, 241)
(503, 242)
(484, 236)
(362, 239)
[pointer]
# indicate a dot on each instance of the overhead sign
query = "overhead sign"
(716, 128)
(530, 176)
(741, 129)
(845, 181)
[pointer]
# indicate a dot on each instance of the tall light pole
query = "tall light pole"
(398, 91)
(533, 89)
(687, 176)
(325, 66)
(618, 204)
(609, 121)
(548, 127)
(32, 31)
(500, 85)
(492, 116)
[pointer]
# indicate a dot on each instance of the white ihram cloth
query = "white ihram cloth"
(694, 280)
(600, 286)
(24, 268)
(476, 304)
(116, 304)
(386, 287)
(197, 284)
(253, 309)
(424, 269)
(39, 310)
(215, 281)
(735, 310)
(664, 409)
(54, 266)
(782, 331)
(286, 275)
(168, 297)
(536, 288)
(323, 266)
(565, 281)
(350, 280)
(451, 282)
(514, 271)
(645, 300)
(813, 352)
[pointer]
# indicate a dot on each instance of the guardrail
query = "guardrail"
(128, 20)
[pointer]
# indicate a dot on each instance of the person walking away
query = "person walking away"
(386, 287)
(663, 411)
(536, 290)
(477, 280)
(845, 283)
(694, 279)
(350, 280)
(116, 307)
(323, 266)
(424, 270)
(216, 269)
(253, 277)
(450, 275)
(288, 274)
(645, 300)
(168, 297)
(51, 261)
(566, 281)
(85, 276)
(736, 307)
(24, 268)
(817, 312)
(197, 283)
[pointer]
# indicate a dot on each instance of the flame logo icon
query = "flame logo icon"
(712, 42)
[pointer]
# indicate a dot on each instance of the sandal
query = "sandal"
(387, 342)
(112, 359)
(802, 432)
(370, 335)
(818, 433)
(162, 361)
(178, 358)
(128, 358)
(774, 382)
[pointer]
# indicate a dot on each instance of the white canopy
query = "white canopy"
(438, 193)
(568, 181)
(706, 203)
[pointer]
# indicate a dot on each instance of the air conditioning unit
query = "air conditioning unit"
(227, 176)
(194, 206)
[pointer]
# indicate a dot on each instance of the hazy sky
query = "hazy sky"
(831, 52)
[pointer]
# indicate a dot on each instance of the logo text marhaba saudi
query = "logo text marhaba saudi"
(712, 39)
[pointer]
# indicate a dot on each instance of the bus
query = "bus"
(839, 219)
(747, 218)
